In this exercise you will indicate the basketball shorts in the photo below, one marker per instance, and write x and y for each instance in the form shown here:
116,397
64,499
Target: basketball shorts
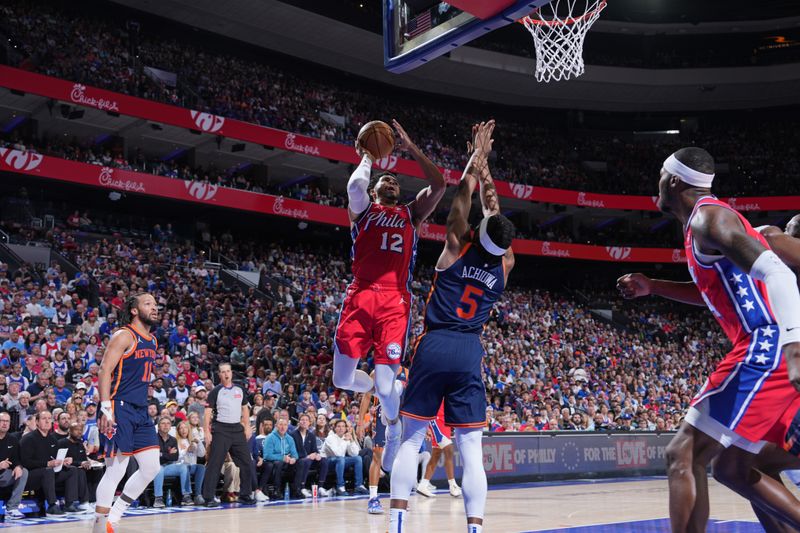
447,366
441,433
744,400
374,317
134,431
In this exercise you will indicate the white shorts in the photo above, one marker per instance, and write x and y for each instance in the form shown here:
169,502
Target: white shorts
699,418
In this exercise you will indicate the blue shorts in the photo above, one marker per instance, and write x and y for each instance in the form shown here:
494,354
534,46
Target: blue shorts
134,431
447,366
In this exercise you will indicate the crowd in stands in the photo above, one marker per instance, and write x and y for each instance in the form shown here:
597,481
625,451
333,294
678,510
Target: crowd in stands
112,55
551,364
317,190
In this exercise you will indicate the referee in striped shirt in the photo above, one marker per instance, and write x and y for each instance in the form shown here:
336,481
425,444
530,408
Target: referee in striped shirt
227,429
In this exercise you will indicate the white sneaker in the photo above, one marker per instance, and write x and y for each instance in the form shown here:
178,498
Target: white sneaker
455,490
86,507
261,497
306,493
425,488
325,493
14,514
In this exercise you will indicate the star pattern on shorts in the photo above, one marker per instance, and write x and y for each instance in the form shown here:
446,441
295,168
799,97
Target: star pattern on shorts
748,305
768,331
736,278
765,345
742,292
761,359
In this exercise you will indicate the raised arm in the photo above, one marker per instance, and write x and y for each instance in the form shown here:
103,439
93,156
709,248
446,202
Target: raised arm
428,198
357,195
490,201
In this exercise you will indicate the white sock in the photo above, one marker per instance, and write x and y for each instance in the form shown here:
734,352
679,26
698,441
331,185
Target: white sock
100,517
373,491
474,528
397,520
119,508
452,483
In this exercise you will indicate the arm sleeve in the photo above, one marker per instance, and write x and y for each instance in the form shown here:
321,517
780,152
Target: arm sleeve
783,294
357,186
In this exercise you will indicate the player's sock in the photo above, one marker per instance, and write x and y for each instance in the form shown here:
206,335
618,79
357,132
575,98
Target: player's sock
473,479
373,491
452,483
397,520
118,509
474,528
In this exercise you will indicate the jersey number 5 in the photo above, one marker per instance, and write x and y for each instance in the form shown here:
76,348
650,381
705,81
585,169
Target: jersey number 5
468,300
397,242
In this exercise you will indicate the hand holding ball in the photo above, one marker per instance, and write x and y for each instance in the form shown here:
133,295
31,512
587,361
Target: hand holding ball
376,138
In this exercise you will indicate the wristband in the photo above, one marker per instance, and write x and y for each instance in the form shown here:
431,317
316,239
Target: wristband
106,408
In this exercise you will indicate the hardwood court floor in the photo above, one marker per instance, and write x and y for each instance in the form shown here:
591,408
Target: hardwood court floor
613,506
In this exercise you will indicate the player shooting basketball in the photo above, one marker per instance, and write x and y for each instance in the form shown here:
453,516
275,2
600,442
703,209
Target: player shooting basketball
754,297
471,275
376,312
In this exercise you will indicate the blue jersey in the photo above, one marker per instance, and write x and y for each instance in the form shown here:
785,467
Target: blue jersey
462,296
132,374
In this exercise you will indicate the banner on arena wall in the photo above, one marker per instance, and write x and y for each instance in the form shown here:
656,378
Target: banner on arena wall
531,455
77,93
116,179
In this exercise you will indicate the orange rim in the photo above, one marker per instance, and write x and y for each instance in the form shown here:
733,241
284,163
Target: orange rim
566,22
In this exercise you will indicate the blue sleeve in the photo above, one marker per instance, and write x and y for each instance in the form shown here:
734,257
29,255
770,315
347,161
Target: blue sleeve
293,448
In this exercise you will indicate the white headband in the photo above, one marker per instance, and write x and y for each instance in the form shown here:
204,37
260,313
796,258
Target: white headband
686,174
486,241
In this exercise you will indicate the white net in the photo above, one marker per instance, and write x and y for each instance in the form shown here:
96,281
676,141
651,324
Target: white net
559,29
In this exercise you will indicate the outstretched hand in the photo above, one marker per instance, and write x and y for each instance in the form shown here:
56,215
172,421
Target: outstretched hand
361,151
482,134
405,143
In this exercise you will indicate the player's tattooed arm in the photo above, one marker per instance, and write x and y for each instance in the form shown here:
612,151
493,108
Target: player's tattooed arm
490,201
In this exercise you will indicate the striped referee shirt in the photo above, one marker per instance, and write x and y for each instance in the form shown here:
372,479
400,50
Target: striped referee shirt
226,404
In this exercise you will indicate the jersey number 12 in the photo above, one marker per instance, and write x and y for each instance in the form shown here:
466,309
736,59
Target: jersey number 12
395,246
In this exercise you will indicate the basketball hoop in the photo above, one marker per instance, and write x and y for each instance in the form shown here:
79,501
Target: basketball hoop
559,29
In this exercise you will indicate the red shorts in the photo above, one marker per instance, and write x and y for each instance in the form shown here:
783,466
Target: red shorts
374,316
441,434
747,396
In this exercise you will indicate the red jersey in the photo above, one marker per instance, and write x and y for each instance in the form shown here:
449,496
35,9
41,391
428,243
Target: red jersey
739,302
384,246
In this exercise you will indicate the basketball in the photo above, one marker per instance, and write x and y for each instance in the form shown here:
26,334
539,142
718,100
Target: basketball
377,138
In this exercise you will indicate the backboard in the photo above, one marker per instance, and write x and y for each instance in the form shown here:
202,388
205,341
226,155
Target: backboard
417,31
